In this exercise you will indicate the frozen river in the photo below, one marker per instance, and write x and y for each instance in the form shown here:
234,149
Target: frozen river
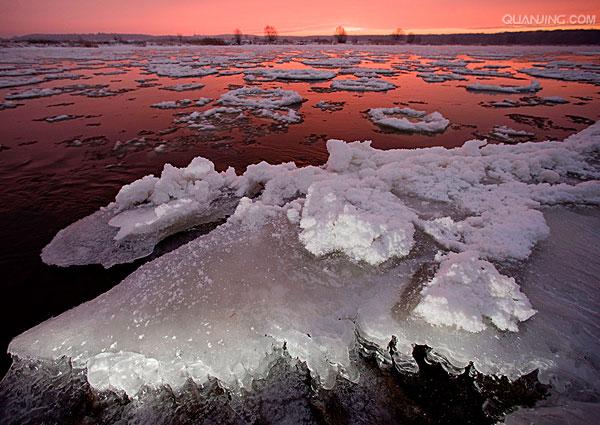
325,257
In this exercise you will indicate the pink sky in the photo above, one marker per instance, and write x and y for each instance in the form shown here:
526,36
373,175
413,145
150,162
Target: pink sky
189,17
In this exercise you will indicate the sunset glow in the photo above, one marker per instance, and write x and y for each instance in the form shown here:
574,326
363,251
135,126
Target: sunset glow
310,17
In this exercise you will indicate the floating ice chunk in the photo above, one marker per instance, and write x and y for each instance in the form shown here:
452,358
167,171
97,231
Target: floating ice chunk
528,101
178,70
432,77
198,180
467,290
558,73
363,84
332,62
33,93
367,72
8,105
364,223
255,97
330,106
220,110
62,117
482,72
184,87
425,123
290,117
19,81
510,135
114,72
213,119
530,88
203,101
173,104
145,212
554,99
270,74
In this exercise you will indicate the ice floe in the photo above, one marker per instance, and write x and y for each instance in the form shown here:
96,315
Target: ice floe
433,77
330,106
362,84
332,62
566,72
184,87
178,70
173,104
533,87
19,81
289,116
527,101
271,74
255,97
421,122
33,93
510,135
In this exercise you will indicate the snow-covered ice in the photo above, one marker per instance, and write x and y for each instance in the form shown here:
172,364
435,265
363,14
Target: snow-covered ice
173,104
270,74
362,84
421,122
466,289
256,97
184,87
33,93
533,87
179,70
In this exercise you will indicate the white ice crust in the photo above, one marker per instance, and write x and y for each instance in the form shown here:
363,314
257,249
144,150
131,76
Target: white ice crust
256,97
362,84
422,121
533,87
466,289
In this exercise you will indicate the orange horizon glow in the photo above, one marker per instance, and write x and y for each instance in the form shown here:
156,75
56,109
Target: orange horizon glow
311,17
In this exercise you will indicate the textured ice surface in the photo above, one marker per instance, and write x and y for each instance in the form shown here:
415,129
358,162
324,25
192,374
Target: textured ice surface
533,87
465,290
362,84
179,70
145,212
33,93
173,104
364,223
314,255
567,71
269,74
256,97
422,122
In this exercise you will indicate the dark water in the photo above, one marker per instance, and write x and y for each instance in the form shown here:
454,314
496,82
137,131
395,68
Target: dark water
47,181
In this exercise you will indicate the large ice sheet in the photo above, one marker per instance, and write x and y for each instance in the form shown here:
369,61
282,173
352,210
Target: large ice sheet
313,255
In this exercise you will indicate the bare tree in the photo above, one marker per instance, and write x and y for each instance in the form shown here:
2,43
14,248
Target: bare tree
237,36
340,34
398,35
270,34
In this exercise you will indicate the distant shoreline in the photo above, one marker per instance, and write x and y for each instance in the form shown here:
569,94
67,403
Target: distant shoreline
513,38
